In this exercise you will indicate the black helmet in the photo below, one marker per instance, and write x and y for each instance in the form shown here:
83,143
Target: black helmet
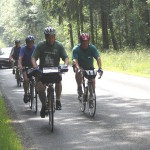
49,31
29,38
17,41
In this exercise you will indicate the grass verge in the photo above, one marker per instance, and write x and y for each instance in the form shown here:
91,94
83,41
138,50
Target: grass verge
135,62
9,140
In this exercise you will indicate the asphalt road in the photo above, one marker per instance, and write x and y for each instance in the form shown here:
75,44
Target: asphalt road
122,120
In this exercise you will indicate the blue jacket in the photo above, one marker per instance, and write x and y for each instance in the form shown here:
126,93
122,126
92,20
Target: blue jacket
26,53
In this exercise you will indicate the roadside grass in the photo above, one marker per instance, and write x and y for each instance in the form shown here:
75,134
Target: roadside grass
135,62
9,140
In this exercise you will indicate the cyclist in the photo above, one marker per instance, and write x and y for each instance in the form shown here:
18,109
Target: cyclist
82,56
25,62
14,55
49,53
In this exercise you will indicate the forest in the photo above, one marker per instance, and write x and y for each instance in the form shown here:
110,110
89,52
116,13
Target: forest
112,24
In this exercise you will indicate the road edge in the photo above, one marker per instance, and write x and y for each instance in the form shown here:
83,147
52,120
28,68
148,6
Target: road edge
26,140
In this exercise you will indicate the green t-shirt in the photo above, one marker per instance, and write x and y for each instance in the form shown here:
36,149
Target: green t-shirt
85,57
49,56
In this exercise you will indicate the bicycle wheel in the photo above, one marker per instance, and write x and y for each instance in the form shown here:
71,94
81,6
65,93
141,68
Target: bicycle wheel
31,94
51,110
83,99
92,101
34,98
36,101
18,78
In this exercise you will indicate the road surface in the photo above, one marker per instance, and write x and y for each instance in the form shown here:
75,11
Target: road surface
122,120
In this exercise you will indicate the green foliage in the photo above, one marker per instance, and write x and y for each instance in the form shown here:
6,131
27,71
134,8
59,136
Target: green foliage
129,24
2,44
8,137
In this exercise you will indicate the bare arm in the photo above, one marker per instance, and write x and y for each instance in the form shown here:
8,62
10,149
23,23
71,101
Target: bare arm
99,62
20,62
11,53
76,64
66,61
33,62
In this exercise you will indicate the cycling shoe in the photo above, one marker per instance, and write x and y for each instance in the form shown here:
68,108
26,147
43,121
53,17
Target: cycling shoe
58,105
42,112
26,98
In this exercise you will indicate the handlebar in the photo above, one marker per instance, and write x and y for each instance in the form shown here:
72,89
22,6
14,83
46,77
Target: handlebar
46,70
92,72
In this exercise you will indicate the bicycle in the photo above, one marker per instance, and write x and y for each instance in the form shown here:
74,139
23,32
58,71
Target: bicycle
88,98
50,76
17,73
33,100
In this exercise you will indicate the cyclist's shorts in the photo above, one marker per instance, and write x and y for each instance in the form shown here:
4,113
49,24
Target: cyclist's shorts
90,74
51,78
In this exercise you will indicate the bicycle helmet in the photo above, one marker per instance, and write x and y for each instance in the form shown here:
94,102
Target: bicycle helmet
29,38
49,31
84,37
17,41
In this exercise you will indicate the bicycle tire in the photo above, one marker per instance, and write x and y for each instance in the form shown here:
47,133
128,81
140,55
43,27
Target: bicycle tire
18,78
36,101
51,110
33,104
82,101
92,109
34,98
31,94
82,104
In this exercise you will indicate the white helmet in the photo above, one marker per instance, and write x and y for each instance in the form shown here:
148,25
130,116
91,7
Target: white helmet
49,31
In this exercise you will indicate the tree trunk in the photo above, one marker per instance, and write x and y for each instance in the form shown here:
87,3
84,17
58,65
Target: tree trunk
104,29
146,19
71,35
132,27
114,41
91,24
78,20
81,14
